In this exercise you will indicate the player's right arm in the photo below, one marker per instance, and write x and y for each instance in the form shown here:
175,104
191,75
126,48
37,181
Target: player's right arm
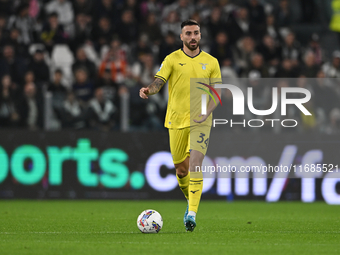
161,77
152,89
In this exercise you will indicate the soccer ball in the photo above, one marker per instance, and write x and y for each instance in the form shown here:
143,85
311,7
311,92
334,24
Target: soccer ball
150,221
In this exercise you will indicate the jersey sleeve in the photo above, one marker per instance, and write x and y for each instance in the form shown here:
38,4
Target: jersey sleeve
216,76
165,69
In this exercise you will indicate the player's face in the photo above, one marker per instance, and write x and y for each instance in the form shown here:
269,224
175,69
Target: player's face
191,36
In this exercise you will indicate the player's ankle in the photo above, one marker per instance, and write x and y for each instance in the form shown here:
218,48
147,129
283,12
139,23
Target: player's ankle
192,213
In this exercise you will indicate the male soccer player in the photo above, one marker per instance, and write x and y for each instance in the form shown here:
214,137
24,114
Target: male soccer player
189,131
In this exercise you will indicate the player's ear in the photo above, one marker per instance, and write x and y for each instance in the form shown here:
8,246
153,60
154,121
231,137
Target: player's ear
181,36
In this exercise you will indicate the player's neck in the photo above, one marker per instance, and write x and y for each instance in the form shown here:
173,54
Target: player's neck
191,53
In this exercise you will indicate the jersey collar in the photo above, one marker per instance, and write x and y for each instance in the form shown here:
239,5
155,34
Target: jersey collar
190,56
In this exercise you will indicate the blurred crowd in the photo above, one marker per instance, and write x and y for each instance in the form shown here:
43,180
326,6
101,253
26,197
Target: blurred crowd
89,54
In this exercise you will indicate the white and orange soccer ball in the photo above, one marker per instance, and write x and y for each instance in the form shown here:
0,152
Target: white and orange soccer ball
150,221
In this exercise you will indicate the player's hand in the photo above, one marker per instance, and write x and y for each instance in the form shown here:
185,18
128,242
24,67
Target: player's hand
143,92
203,118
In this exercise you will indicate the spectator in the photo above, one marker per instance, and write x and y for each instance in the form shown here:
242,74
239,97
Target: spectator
183,9
215,23
203,10
14,40
310,68
283,14
29,77
85,7
56,85
332,69
110,88
315,47
39,67
30,108
120,50
108,8
82,31
270,51
325,98
257,66
256,12
58,89
23,22
53,32
7,82
286,70
303,82
167,46
272,29
102,34
145,69
3,21
134,7
227,7
171,24
115,64
102,112
220,49
151,6
82,62
243,52
64,10
140,49
241,26
151,29
34,8
72,113
334,127
8,113
12,65
82,88
291,49
128,28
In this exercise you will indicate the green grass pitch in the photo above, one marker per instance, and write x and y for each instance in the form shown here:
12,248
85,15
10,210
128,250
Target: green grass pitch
109,227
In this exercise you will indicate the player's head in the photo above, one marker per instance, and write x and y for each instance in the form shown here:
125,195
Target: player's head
191,34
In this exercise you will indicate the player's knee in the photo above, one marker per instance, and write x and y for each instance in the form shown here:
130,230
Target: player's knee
181,171
195,166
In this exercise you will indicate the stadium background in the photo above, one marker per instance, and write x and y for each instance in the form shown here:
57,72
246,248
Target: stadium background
71,71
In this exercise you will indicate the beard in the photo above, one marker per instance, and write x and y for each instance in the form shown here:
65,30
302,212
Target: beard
192,47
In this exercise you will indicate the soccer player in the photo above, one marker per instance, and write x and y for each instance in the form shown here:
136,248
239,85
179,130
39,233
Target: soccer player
189,131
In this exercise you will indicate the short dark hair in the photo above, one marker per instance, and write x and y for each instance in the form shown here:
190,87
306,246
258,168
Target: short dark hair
189,22
58,71
53,15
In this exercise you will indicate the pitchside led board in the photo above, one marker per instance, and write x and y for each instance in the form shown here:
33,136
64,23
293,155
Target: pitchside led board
265,144
92,165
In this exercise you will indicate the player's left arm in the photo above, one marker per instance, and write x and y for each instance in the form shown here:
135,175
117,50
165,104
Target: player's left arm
215,79
211,106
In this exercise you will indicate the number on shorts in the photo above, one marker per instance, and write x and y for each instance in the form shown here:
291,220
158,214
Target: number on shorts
202,138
